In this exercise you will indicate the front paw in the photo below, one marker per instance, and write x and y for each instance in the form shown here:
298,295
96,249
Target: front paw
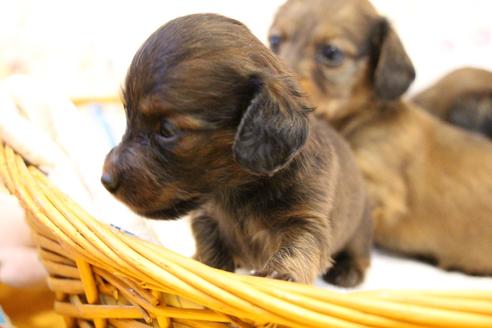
222,262
274,275
345,273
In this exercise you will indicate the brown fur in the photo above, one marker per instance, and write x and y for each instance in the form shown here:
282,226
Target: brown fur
430,183
463,98
217,126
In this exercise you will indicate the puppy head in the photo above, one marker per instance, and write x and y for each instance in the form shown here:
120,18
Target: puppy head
344,53
208,108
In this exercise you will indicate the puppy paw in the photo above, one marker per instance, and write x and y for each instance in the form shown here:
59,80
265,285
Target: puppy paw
345,273
219,262
274,275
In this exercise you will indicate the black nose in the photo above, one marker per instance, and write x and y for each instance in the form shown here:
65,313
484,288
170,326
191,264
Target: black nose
110,181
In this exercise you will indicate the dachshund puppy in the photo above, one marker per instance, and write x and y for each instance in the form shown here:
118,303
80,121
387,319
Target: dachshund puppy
463,98
217,126
430,183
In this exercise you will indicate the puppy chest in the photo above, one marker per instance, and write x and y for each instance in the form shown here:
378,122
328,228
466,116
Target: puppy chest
252,242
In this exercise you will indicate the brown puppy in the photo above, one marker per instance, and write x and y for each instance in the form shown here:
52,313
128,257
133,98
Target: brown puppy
430,183
216,124
463,98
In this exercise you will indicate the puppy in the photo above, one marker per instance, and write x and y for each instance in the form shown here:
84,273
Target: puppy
463,98
217,126
430,183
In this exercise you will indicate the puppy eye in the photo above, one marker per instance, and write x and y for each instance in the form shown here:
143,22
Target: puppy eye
168,132
332,55
275,41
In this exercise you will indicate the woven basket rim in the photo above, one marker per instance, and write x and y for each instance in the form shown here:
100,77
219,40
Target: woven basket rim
226,295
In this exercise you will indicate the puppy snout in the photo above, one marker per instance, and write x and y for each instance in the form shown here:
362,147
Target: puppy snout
110,181
111,176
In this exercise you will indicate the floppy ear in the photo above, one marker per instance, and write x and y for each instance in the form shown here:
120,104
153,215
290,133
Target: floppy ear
273,128
394,71
472,111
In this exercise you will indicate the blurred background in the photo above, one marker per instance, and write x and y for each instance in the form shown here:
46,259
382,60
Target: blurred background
83,49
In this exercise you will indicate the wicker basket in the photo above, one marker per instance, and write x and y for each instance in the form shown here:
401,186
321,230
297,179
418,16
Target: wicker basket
104,278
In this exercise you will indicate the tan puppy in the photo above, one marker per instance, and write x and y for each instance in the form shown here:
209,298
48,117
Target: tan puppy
463,98
430,183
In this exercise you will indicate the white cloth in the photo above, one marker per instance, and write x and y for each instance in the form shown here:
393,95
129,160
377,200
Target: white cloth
49,131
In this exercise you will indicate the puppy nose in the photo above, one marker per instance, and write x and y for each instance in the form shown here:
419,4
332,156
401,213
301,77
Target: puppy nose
110,181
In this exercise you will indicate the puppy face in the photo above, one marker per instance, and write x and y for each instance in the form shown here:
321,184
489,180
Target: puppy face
344,54
208,108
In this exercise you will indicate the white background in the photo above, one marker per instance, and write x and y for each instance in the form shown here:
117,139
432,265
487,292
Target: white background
85,46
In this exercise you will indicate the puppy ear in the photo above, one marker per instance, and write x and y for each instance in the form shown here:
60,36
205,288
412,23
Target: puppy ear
472,111
273,128
393,71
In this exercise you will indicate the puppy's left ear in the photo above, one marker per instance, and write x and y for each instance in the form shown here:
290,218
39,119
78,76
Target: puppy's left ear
273,128
393,71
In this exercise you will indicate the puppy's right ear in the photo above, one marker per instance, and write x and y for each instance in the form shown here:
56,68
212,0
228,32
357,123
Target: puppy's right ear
273,128
393,69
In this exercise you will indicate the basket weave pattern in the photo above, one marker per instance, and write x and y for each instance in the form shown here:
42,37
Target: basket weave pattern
104,278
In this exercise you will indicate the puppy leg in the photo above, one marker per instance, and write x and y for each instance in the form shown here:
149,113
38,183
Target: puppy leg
301,256
210,248
352,262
